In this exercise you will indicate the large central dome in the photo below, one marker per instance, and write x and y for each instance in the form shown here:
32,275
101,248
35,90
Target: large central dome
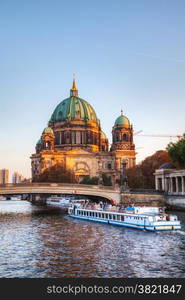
74,108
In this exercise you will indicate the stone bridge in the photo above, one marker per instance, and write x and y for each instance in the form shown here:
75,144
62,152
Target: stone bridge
38,190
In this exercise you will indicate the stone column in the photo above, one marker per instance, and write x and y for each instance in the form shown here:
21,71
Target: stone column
171,185
183,188
156,183
163,183
177,186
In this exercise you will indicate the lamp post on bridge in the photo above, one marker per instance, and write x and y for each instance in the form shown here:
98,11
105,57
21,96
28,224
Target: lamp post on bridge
100,179
124,178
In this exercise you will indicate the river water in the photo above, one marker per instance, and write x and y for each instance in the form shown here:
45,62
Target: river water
40,242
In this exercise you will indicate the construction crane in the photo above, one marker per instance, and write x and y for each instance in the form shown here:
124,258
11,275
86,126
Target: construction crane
160,135
137,132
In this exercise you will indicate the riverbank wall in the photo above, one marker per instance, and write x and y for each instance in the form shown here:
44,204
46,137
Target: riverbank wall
152,198
143,197
176,202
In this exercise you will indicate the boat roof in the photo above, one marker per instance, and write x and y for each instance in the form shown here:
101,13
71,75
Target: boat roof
121,213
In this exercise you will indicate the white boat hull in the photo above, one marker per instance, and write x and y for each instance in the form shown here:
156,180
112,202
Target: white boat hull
130,221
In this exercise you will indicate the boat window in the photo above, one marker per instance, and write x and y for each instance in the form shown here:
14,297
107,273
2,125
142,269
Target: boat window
122,218
106,216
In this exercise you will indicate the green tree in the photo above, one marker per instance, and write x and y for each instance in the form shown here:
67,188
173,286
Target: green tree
135,177
106,179
89,180
177,152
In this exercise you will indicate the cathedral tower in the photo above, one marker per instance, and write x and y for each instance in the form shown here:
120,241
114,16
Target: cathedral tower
122,142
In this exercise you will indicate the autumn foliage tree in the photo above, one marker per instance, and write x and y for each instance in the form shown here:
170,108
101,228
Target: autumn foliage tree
57,173
141,176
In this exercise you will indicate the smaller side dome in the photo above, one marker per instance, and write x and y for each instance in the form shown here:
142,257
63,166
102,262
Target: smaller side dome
122,121
39,142
103,136
48,130
167,165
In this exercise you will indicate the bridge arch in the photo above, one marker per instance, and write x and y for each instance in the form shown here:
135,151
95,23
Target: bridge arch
104,192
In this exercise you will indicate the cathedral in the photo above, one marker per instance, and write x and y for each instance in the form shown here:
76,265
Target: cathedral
74,139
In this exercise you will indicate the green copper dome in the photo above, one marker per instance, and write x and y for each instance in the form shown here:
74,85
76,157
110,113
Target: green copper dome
39,142
73,108
122,121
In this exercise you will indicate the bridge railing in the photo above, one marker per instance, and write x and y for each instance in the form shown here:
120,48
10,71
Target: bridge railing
50,184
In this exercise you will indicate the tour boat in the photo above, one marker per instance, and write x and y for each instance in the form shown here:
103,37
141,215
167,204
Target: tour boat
58,201
147,218
62,201
15,198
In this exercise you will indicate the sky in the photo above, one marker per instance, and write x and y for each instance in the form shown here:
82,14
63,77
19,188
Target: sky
126,54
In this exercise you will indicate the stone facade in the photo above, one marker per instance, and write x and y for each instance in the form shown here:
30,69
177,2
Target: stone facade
74,139
171,181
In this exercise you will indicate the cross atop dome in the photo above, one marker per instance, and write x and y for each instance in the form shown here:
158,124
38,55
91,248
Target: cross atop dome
74,90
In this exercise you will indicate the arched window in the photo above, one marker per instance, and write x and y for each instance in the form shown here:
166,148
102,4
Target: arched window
109,166
68,137
125,137
47,145
57,138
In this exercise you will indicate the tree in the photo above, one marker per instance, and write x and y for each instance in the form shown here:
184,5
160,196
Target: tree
177,152
135,177
141,176
88,180
106,179
57,173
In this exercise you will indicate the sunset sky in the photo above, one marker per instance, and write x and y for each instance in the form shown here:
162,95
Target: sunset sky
126,54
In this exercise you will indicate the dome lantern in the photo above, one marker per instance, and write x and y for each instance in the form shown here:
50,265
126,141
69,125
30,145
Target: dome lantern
74,90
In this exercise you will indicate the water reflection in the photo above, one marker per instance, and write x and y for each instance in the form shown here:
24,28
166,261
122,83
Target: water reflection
38,242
